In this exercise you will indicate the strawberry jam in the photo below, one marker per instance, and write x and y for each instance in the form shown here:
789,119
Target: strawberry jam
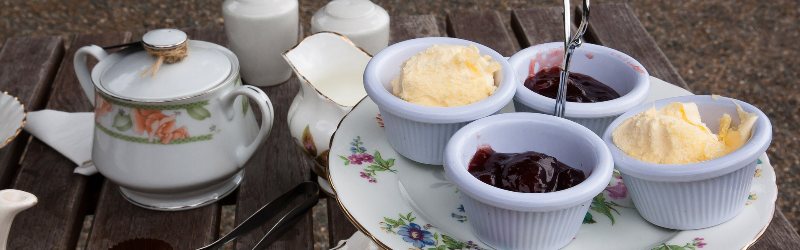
527,172
580,87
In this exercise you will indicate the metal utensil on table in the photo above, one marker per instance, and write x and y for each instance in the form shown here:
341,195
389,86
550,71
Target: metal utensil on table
571,42
307,192
124,45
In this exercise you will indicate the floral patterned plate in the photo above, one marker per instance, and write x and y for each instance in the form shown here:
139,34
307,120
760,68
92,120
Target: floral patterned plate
402,204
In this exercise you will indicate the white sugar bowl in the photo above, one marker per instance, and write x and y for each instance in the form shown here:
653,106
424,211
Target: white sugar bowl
172,136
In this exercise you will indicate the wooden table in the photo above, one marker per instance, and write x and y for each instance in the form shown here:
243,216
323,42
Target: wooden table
39,71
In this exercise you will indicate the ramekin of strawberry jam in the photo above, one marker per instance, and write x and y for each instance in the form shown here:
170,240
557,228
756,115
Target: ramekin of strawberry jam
580,88
526,172
603,83
535,170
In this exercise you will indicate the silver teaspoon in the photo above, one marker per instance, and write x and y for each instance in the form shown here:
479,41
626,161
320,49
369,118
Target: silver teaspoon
570,44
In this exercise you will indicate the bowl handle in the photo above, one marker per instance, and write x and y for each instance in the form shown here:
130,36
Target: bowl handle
82,69
243,153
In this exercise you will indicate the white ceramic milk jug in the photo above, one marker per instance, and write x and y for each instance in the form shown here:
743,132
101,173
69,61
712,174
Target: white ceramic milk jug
330,68
12,202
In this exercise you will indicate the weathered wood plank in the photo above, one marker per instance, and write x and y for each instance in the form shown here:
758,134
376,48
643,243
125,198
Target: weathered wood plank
117,220
27,68
339,226
416,26
56,220
485,27
277,166
779,235
403,28
615,25
538,25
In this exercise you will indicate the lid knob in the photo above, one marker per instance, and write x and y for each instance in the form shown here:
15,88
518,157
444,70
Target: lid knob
167,45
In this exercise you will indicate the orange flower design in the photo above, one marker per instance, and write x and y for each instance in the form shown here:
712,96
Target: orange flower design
167,132
102,107
158,125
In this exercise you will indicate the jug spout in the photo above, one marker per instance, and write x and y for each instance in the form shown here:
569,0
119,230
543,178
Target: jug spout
11,203
332,65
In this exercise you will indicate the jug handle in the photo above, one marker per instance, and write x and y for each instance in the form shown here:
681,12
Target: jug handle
82,69
243,153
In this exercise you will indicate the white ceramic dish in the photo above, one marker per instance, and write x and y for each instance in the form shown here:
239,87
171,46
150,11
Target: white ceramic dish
179,140
388,196
697,195
420,132
12,118
619,71
545,220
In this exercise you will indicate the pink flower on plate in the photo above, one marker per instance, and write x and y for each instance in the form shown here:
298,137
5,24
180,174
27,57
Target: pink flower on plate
698,242
361,158
367,158
355,159
618,191
369,177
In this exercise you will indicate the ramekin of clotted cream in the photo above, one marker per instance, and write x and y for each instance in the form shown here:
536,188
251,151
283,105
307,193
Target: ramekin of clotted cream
687,162
427,88
446,76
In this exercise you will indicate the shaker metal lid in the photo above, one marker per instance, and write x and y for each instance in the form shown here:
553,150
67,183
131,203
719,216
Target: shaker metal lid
128,75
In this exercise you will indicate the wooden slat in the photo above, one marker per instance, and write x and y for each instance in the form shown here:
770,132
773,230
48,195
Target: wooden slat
485,27
117,220
403,28
339,226
56,219
416,26
538,25
615,25
779,235
27,67
277,166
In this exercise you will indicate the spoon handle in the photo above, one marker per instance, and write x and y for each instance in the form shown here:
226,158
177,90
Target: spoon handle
570,44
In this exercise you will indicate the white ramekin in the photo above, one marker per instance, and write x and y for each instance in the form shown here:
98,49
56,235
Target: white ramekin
421,132
696,195
510,220
616,69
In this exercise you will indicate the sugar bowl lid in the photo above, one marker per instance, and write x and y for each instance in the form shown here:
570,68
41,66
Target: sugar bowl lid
167,67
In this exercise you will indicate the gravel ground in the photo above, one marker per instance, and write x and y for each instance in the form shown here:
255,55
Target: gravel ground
741,49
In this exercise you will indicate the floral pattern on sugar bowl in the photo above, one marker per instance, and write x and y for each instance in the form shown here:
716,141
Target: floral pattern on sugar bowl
156,124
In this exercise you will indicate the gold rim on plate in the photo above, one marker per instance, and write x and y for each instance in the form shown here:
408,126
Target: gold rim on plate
21,125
